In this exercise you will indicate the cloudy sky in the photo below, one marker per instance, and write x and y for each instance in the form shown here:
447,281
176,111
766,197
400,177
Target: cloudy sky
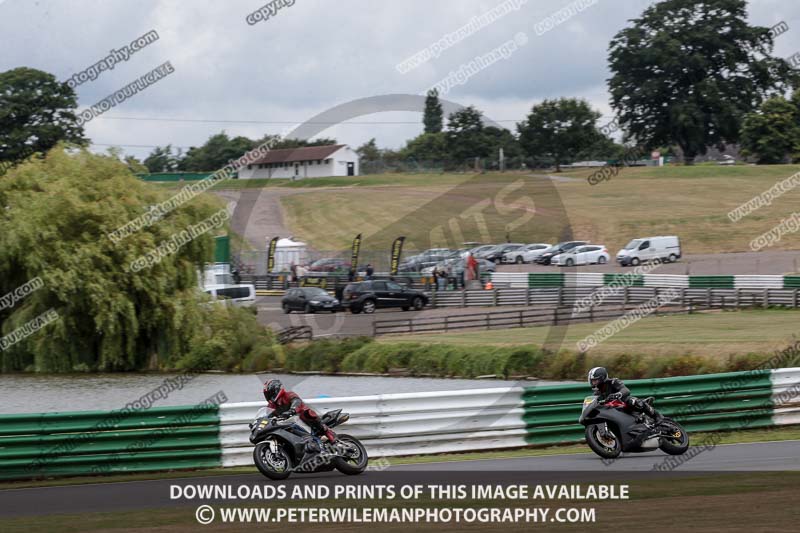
313,55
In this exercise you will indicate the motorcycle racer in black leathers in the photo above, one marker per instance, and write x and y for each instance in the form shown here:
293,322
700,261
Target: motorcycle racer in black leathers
612,388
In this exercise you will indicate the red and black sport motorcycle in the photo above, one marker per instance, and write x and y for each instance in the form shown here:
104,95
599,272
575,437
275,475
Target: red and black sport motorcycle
284,447
612,429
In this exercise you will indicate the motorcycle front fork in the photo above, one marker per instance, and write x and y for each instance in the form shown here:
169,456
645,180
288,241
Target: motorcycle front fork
606,433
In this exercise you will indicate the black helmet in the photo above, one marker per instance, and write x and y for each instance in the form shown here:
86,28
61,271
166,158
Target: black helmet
272,388
597,376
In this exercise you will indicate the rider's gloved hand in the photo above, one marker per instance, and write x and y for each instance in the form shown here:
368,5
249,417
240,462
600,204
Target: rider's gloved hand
615,396
289,413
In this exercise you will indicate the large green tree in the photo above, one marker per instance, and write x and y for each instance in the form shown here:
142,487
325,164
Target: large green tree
299,143
772,134
217,151
56,216
164,159
433,115
497,138
431,147
687,71
369,151
36,113
465,135
559,130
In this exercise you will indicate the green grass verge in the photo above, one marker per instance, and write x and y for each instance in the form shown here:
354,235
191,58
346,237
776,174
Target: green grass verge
673,345
716,335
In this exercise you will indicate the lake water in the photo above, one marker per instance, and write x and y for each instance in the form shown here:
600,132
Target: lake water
30,393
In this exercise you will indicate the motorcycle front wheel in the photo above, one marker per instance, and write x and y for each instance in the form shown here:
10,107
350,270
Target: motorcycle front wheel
276,466
676,440
357,458
607,447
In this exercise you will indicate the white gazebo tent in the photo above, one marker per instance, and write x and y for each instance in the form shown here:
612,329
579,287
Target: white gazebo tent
289,252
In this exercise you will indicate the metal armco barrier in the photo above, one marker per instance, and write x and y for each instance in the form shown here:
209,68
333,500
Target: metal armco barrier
294,333
555,296
591,279
564,305
98,442
388,424
523,318
485,419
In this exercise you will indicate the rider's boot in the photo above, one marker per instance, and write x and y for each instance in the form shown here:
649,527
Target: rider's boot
323,432
329,434
651,412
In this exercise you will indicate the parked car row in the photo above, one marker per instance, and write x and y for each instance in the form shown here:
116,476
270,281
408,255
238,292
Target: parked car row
567,253
455,266
426,259
367,296
525,254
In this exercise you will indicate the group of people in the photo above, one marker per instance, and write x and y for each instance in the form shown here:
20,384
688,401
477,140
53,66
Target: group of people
369,271
442,277
296,272
445,276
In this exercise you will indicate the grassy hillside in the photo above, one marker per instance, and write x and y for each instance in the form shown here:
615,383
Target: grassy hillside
691,202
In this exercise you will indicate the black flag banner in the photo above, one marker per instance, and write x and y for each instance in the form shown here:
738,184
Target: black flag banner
354,254
397,249
271,254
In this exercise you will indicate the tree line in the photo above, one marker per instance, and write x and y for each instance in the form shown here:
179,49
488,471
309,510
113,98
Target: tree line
685,76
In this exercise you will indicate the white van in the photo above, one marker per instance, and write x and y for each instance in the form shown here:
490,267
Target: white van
650,248
243,295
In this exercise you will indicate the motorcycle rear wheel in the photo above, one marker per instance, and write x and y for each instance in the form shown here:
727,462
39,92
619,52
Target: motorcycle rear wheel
268,465
678,443
355,465
602,446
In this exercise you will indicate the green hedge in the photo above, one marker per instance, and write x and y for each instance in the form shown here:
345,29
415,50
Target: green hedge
365,355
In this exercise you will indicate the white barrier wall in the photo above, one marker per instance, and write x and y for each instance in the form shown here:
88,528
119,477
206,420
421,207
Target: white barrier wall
403,424
495,418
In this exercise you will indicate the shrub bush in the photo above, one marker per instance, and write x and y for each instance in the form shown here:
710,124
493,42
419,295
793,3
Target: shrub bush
229,338
442,360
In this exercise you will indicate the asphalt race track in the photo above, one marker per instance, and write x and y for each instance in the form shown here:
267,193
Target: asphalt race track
566,468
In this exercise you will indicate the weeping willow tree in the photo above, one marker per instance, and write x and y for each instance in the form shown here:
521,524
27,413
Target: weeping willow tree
56,212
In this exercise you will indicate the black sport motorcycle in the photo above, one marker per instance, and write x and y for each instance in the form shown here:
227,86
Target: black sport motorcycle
611,430
283,447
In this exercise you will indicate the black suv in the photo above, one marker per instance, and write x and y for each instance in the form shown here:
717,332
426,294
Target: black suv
556,249
367,296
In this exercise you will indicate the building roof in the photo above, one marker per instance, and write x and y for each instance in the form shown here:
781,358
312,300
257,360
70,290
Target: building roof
306,153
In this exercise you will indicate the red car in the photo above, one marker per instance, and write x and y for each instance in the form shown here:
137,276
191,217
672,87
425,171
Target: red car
329,265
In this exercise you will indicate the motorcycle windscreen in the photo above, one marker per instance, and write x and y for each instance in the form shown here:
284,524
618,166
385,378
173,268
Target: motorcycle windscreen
588,405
